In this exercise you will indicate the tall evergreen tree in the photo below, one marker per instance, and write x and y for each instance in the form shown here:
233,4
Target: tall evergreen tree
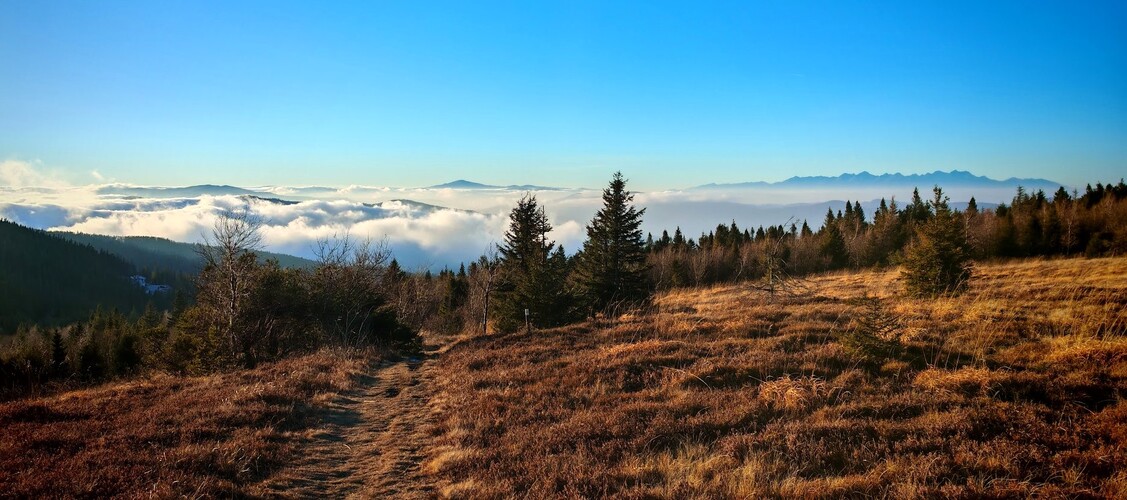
58,353
859,213
454,293
536,281
612,264
937,262
916,212
558,300
886,233
678,239
833,243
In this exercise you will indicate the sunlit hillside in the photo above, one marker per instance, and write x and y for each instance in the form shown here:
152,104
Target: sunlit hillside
1014,389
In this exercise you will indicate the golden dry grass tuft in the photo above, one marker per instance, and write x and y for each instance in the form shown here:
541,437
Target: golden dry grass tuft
213,436
1013,389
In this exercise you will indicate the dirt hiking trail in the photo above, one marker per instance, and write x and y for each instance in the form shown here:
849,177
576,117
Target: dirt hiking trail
371,440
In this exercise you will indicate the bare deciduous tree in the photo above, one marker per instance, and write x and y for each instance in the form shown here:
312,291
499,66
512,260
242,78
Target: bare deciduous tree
230,273
350,288
487,276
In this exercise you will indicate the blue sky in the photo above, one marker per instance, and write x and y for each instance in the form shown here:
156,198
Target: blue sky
673,94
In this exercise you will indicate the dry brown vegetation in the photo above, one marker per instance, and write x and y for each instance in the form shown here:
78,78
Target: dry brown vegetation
1014,389
165,436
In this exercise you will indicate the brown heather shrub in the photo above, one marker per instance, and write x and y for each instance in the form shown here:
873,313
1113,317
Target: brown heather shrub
1013,389
165,436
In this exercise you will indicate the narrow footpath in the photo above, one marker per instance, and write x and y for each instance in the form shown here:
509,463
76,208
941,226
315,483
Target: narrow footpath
372,439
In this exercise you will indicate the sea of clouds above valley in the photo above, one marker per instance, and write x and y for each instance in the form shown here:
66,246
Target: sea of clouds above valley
424,227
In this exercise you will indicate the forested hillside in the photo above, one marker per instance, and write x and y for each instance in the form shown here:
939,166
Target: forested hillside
147,252
48,280
1092,224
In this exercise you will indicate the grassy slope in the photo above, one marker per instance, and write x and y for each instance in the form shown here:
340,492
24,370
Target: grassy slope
216,436
1014,389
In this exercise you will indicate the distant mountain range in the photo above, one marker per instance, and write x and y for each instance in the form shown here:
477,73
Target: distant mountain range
464,184
276,201
866,180
417,205
954,178
178,192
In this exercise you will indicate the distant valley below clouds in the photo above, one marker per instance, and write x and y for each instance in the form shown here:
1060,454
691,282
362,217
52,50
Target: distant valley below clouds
446,224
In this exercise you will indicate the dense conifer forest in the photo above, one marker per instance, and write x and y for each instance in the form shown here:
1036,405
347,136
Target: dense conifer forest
49,281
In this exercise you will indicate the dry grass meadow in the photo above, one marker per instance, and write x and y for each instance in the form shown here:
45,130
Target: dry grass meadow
168,437
1015,389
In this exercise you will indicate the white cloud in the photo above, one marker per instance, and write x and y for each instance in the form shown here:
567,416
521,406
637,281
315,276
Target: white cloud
23,174
418,233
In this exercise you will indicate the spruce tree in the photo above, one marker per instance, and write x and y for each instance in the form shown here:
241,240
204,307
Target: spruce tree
859,213
454,293
58,353
887,234
536,277
1061,196
557,298
917,211
937,262
612,269
805,233
833,243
